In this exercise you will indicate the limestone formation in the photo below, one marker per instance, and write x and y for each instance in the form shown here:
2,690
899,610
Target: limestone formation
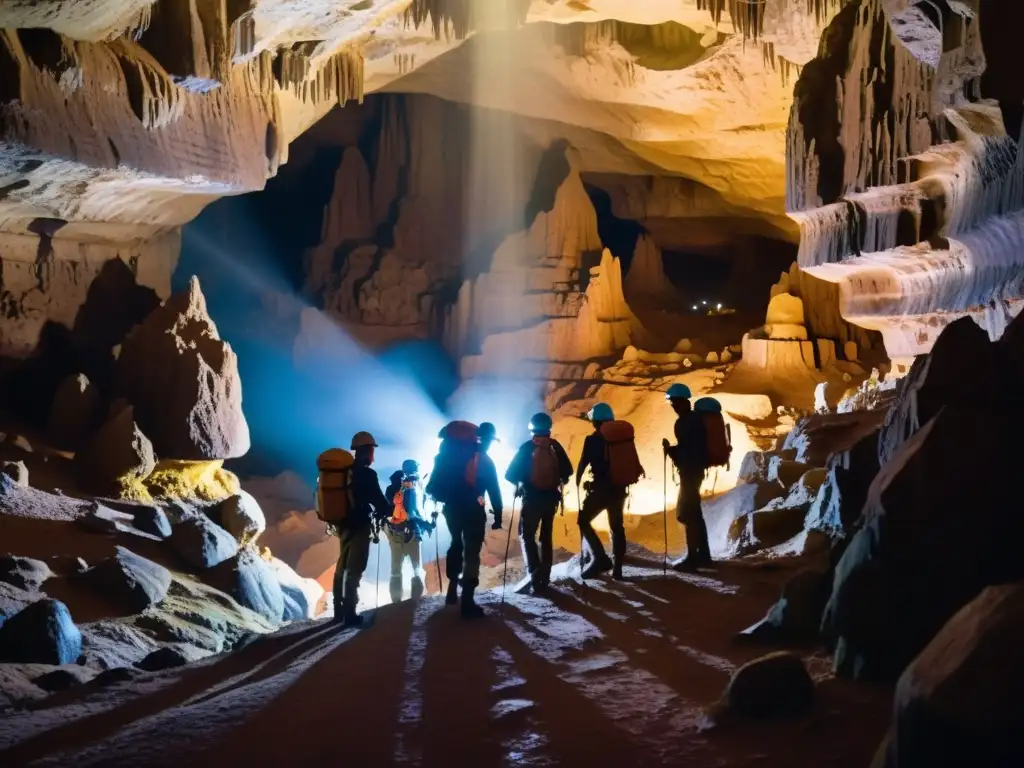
183,381
23,572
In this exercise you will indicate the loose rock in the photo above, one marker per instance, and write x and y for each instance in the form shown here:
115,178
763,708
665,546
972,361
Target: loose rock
152,520
252,582
241,516
117,456
16,471
775,685
201,542
42,633
130,580
168,657
796,617
23,572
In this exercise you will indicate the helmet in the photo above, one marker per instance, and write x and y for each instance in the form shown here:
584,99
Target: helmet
678,392
602,412
540,422
487,431
411,467
363,439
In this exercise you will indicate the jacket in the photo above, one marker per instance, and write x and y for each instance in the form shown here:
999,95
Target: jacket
368,502
518,472
690,452
595,456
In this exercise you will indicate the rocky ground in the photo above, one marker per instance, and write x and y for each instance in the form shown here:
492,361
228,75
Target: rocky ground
599,673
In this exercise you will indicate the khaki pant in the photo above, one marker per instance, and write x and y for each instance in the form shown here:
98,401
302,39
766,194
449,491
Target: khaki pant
399,551
601,499
352,560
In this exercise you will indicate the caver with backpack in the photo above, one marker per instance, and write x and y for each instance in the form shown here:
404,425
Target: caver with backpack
539,470
610,454
702,441
349,500
406,529
463,476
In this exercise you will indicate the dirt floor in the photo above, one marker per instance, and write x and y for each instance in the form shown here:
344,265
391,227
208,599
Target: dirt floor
604,673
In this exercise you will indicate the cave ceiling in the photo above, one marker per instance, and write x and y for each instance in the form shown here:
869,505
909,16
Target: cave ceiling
125,117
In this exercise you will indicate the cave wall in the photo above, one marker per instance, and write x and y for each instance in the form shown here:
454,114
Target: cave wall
906,184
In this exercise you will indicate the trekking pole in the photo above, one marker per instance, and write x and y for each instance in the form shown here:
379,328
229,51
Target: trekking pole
664,511
508,544
437,551
376,583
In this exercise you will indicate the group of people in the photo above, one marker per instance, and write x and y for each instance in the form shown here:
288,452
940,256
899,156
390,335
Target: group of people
465,479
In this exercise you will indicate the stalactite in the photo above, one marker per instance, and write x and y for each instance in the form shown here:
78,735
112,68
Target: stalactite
243,35
458,18
340,78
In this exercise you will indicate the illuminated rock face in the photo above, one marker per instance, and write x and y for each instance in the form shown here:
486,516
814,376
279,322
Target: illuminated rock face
908,192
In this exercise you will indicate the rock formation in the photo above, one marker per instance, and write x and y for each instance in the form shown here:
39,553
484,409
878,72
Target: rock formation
183,381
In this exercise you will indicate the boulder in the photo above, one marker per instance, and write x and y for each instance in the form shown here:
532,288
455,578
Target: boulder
841,496
816,438
296,607
754,466
940,523
17,471
101,519
249,579
292,584
959,701
183,381
152,520
963,367
775,685
75,411
785,309
117,455
113,676
129,580
200,542
241,516
767,527
168,657
42,633
796,617
58,680
23,572
785,473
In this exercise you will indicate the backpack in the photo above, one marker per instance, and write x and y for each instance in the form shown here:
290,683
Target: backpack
544,469
456,462
717,432
334,485
624,467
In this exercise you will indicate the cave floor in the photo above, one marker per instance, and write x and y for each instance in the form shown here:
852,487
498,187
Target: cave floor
604,673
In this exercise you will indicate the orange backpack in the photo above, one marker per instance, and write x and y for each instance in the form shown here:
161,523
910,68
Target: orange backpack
624,468
334,485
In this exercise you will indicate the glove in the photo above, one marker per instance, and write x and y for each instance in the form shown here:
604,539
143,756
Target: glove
665,445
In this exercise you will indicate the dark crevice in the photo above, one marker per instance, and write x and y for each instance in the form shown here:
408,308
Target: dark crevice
553,170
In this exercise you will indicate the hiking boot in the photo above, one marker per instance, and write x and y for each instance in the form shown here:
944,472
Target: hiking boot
617,573
597,566
452,596
686,565
468,608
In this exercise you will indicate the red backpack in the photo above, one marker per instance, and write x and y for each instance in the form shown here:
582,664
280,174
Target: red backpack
544,474
718,434
624,468
456,462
